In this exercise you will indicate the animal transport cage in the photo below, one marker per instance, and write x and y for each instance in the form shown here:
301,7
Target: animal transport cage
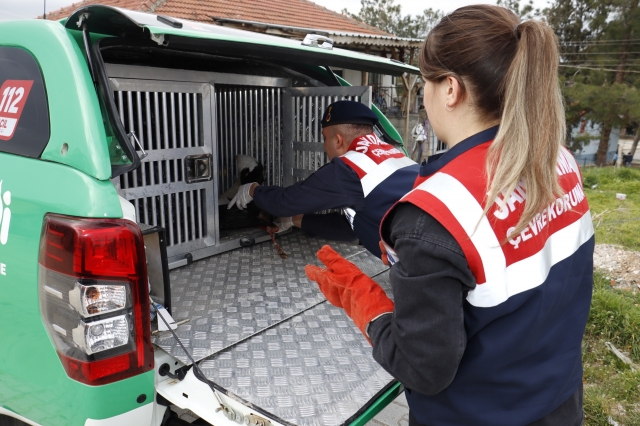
192,124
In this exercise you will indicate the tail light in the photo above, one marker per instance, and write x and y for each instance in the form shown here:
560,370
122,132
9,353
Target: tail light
94,297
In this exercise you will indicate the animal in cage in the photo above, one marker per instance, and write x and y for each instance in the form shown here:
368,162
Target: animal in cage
250,170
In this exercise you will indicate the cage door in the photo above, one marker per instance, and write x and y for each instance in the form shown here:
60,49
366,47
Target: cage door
173,187
303,110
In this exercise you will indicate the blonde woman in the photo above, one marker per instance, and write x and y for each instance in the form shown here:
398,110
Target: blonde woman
493,248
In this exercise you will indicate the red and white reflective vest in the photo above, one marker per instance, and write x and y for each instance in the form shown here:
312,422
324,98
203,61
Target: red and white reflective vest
525,318
386,175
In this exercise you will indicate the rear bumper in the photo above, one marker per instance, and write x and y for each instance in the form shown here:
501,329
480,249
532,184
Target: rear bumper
141,416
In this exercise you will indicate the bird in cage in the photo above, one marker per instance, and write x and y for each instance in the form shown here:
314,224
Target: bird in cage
249,170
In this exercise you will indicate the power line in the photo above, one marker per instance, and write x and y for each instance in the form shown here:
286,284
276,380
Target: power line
598,61
597,69
602,41
605,63
599,53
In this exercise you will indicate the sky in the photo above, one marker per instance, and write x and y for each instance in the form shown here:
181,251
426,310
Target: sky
413,7
19,9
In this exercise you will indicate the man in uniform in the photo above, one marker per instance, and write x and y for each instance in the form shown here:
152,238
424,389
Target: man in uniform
364,178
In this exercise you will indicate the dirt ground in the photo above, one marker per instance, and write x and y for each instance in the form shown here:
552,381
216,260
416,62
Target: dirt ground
621,266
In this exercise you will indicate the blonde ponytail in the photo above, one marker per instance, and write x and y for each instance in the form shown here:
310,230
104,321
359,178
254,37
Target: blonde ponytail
532,127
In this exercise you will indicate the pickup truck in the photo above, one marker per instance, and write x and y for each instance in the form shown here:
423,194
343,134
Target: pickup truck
118,133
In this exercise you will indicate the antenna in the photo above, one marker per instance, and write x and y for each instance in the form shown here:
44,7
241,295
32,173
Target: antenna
44,14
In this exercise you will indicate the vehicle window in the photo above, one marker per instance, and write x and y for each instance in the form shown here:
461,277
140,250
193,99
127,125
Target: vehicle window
24,113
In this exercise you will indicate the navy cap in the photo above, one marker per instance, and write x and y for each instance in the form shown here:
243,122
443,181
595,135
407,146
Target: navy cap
348,112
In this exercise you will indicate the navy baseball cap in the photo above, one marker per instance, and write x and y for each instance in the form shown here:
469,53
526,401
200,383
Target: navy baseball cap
348,112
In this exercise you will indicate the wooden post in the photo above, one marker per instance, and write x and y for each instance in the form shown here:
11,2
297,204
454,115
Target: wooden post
365,78
408,80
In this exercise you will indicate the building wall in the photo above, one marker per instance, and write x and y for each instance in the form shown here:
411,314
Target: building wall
353,77
589,149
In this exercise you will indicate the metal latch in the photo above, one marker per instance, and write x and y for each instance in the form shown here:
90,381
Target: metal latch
198,168
253,420
314,40
230,413
132,134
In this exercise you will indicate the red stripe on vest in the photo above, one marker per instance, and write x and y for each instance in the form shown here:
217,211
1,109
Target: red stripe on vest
361,173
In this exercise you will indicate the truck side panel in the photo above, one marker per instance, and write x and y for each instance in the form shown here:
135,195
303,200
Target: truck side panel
71,178
32,380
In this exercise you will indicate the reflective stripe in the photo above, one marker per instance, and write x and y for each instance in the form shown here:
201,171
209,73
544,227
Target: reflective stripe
533,271
361,160
383,171
464,207
350,215
392,257
502,282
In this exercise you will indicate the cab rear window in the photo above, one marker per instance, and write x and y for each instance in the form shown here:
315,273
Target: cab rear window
24,113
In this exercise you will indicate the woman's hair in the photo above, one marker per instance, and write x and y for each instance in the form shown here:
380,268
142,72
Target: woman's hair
509,71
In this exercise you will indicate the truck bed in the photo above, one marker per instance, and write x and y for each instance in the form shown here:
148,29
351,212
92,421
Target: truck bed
264,333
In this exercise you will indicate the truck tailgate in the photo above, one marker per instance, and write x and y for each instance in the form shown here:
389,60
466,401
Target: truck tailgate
260,330
315,368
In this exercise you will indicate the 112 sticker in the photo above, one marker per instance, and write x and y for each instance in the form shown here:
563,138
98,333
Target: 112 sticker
13,96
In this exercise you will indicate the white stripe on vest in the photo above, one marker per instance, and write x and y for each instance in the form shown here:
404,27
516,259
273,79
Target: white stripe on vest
503,281
376,173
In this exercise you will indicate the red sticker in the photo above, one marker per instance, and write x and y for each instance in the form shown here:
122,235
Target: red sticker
13,96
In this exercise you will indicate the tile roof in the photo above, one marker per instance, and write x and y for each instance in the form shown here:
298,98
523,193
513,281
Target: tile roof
141,5
299,13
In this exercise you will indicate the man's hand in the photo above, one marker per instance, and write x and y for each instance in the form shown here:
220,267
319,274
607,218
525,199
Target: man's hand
243,197
283,223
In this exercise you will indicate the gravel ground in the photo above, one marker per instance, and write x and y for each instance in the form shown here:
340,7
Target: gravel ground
621,266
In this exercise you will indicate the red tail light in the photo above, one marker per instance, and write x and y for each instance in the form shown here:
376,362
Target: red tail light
94,297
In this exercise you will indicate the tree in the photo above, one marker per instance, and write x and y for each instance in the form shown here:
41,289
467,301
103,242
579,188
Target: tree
526,11
382,14
597,50
387,16
616,104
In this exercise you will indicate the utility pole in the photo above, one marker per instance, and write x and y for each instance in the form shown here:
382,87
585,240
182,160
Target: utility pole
44,13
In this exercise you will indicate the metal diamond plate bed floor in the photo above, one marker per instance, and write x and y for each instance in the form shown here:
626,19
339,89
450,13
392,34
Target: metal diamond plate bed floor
262,331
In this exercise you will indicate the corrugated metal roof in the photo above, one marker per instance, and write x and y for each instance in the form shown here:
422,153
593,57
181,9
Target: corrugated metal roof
318,30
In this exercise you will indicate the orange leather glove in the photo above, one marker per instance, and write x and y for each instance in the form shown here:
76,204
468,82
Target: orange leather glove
347,287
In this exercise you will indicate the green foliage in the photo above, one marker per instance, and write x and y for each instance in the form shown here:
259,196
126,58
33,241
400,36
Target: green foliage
598,49
617,103
615,221
609,383
524,11
611,387
387,16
